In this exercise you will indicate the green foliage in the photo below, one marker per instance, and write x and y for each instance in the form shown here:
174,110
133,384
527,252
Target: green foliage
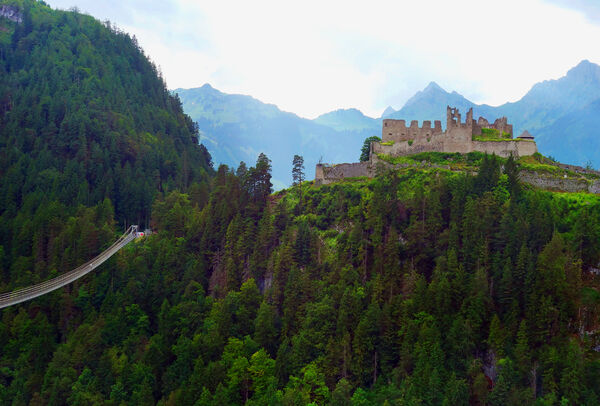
384,290
85,121
297,170
403,289
454,161
491,134
365,152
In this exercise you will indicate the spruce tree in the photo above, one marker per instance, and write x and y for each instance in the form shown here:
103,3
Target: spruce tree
297,170
366,148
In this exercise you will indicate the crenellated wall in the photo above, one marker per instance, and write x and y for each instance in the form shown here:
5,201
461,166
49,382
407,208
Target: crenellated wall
396,130
398,139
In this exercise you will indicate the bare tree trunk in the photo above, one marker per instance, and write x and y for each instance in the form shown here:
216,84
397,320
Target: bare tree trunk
534,379
344,371
374,368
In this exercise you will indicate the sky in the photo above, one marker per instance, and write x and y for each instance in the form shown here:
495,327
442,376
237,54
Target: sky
314,56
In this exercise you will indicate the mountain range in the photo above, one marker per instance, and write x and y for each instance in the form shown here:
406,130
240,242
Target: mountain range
562,114
237,128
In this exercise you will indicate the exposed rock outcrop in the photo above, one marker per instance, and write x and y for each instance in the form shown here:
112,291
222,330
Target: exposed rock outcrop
11,13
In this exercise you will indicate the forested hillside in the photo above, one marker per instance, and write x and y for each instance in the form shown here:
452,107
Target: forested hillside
417,287
421,286
89,136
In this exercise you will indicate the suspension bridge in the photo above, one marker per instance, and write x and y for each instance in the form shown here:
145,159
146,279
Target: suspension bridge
30,292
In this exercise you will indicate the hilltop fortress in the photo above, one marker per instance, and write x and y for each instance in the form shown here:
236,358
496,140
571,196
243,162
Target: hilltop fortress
397,139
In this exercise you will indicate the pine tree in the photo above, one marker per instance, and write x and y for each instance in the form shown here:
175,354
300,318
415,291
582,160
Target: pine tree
297,170
522,351
365,151
511,170
265,328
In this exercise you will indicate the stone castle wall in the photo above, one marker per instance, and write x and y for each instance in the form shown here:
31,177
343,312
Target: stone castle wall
400,140
397,131
397,139
558,184
456,141
325,174
506,148
329,174
401,148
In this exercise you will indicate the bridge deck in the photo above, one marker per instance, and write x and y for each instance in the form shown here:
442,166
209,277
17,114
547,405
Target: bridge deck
30,292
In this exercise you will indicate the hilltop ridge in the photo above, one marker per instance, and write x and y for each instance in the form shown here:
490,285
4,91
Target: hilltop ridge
540,111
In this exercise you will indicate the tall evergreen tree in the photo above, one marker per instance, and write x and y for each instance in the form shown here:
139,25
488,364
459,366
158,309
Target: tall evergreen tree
297,170
365,152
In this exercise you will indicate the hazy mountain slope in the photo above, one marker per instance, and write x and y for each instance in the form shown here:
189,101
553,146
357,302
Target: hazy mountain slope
430,104
237,128
574,137
549,100
348,120
554,111
389,110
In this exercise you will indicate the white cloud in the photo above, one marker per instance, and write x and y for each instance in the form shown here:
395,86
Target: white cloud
311,57
589,8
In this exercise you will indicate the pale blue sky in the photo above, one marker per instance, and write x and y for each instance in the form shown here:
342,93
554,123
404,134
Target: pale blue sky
314,56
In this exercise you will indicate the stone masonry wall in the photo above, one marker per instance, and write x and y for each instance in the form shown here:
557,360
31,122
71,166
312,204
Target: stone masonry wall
398,139
329,174
396,130
408,147
454,141
554,183
505,148
325,174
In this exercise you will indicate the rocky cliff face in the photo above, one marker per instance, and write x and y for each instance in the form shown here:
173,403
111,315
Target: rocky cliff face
549,182
11,13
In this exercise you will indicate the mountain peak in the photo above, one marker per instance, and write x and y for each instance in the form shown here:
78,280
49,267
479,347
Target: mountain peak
352,110
346,119
433,86
389,110
584,68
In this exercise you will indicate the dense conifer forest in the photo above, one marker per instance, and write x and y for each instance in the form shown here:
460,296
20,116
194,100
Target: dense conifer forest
421,286
89,135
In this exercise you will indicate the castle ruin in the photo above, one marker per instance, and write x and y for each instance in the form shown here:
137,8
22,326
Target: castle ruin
497,138
397,139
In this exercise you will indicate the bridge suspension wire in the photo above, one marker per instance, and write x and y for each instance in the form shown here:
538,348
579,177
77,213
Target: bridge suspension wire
33,291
